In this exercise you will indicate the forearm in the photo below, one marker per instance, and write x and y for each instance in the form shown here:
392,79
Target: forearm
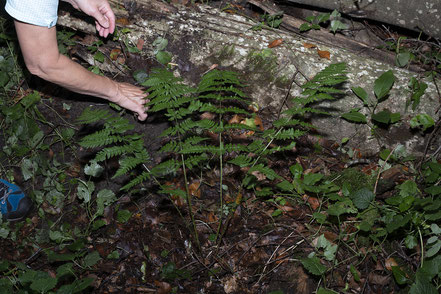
69,74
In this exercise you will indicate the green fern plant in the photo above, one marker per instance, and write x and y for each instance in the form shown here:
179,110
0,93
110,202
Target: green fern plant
197,144
113,141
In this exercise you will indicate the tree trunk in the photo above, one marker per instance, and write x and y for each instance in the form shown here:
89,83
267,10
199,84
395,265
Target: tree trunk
201,36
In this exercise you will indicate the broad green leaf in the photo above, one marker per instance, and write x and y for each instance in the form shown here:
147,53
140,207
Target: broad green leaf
434,249
383,116
313,265
99,56
362,198
140,76
408,188
311,179
160,44
43,283
383,84
104,198
65,269
85,190
163,57
91,259
403,59
362,94
354,116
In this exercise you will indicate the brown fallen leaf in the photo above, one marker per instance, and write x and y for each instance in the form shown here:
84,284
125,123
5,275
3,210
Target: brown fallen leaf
194,190
236,119
275,43
309,45
115,53
324,54
140,44
122,21
207,115
313,201
258,122
389,263
260,176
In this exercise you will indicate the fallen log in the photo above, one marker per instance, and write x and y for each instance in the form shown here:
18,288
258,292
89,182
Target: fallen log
200,36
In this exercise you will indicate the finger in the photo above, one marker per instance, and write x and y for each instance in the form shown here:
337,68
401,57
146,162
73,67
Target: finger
110,17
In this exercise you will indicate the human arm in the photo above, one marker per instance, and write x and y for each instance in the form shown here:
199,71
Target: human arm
40,51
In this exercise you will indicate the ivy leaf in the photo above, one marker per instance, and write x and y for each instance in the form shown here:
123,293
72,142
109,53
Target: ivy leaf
354,116
383,84
313,265
362,198
93,169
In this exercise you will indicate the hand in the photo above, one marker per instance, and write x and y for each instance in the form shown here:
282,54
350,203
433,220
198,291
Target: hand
101,11
132,98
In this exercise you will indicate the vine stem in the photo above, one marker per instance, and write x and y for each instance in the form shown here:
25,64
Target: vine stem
221,195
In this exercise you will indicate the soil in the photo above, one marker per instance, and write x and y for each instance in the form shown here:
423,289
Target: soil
259,253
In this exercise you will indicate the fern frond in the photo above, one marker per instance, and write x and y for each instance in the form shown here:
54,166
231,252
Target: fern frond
99,139
219,97
333,74
188,125
242,160
268,172
198,149
128,163
284,134
91,115
113,151
144,176
167,167
195,160
215,109
119,125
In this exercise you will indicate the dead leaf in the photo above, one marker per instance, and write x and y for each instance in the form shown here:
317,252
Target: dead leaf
122,21
309,45
313,201
258,122
115,53
230,285
164,287
194,190
275,43
260,176
390,262
236,119
324,54
140,44
330,236
378,279
207,115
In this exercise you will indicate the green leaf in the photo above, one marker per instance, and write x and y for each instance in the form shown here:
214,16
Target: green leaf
354,116
432,251
93,169
160,44
423,287
163,57
123,216
383,84
65,269
311,179
91,259
383,116
43,284
99,56
362,198
399,275
411,241
85,190
422,120
362,94
113,255
402,59
104,198
313,265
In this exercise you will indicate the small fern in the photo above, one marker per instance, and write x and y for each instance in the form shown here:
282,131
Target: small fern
113,140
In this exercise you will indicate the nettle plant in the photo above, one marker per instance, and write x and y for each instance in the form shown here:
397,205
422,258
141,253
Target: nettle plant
210,127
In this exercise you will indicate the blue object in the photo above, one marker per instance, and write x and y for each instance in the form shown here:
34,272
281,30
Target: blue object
14,204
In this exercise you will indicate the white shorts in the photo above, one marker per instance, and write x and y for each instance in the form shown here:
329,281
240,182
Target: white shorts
37,12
